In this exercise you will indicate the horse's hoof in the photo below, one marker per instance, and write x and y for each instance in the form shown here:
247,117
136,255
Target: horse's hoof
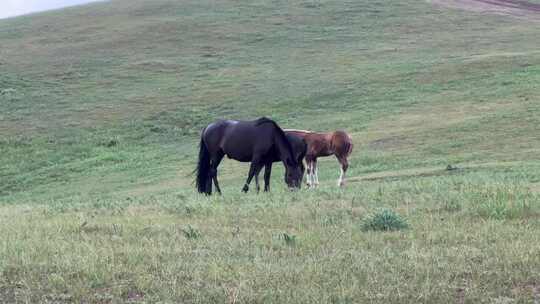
245,189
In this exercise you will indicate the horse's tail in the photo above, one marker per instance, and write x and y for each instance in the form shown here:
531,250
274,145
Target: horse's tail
347,143
203,170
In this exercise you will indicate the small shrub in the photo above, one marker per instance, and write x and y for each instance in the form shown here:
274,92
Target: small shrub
112,143
158,129
450,168
191,233
289,239
109,143
384,220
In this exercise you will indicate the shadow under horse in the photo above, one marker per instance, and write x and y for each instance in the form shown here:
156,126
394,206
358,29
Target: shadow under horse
259,141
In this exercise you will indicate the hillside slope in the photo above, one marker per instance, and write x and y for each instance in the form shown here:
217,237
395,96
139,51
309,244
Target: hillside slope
101,109
416,85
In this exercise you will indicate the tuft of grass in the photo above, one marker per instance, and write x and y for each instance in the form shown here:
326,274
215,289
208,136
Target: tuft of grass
384,220
289,239
191,233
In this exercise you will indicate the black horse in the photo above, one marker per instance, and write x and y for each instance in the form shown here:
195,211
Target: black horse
259,141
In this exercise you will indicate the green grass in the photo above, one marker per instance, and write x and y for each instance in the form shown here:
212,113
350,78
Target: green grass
102,105
384,220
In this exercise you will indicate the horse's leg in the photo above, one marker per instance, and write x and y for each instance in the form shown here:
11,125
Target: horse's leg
308,173
344,166
213,170
267,170
315,173
257,182
254,169
312,174
309,170
267,173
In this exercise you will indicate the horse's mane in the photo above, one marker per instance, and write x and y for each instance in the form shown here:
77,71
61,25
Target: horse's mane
264,120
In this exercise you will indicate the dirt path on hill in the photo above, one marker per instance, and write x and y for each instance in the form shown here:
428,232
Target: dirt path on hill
517,8
429,171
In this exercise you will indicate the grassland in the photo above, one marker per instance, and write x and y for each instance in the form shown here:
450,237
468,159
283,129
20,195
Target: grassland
101,107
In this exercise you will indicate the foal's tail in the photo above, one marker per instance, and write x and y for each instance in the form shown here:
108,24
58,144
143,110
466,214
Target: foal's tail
204,184
346,142
349,147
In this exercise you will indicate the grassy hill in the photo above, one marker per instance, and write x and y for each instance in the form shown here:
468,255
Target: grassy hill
102,106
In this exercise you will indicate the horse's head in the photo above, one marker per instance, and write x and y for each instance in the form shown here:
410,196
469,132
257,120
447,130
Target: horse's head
294,173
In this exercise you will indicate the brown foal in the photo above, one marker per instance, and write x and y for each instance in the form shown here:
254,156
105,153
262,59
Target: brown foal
337,143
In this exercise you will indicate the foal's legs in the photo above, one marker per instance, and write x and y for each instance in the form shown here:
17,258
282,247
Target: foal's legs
214,163
309,180
254,170
344,165
315,173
